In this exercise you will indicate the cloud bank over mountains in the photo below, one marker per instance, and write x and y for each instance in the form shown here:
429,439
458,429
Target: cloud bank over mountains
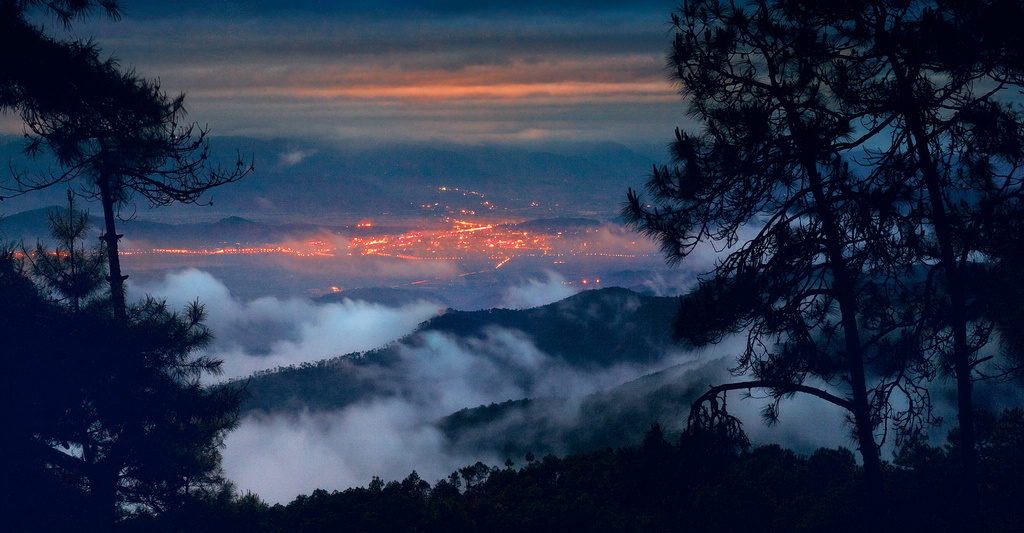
269,332
465,72
416,417
397,429
396,432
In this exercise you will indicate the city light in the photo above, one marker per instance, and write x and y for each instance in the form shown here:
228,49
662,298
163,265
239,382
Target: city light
459,240
464,238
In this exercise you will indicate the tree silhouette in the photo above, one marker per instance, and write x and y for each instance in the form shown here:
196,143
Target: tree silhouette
109,404
145,429
116,132
28,486
111,411
860,163
123,140
768,157
23,83
70,270
953,73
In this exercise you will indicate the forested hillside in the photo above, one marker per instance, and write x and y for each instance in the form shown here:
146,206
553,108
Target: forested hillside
598,328
595,332
688,484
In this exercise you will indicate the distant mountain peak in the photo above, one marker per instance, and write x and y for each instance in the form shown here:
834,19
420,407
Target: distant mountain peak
236,220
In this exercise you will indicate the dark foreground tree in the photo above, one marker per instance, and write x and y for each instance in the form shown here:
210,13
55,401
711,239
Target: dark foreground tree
115,133
23,83
856,163
124,139
769,158
148,430
951,76
107,415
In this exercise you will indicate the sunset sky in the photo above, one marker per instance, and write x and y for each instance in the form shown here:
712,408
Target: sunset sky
449,71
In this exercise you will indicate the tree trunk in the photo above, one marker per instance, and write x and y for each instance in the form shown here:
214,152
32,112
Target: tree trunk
962,365
103,496
864,427
110,237
845,295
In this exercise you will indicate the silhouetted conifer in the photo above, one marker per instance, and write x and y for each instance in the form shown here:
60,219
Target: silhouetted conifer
117,133
109,414
858,165
69,271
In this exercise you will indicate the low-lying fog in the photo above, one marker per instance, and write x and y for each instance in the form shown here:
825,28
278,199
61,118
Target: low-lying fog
280,457
266,325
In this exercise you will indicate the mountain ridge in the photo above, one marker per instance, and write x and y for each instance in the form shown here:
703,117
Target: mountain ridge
588,332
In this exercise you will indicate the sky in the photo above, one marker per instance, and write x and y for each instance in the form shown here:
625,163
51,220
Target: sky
434,71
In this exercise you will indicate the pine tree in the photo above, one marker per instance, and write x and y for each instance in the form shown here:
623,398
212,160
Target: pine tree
112,411
858,162
116,133
69,271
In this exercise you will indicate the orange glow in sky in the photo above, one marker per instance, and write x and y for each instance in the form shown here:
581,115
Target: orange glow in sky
496,91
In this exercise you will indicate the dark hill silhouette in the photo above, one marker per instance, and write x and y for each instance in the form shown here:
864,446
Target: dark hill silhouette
552,225
318,178
607,419
398,179
591,330
228,231
28,226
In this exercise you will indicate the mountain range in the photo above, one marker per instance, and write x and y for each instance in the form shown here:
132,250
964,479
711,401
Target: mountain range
323,180
594,334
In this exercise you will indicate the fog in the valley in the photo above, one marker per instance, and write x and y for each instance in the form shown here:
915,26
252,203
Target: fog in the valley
394,433
391,435
269,332
538,291
387,436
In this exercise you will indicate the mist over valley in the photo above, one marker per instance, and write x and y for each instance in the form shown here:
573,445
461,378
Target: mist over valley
453,339
451,326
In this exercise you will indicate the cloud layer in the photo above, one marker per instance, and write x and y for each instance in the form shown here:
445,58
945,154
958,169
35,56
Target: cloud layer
393,432
269,332
536,292
409,71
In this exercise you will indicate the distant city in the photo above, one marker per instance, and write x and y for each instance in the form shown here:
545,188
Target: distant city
465,240
458,246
